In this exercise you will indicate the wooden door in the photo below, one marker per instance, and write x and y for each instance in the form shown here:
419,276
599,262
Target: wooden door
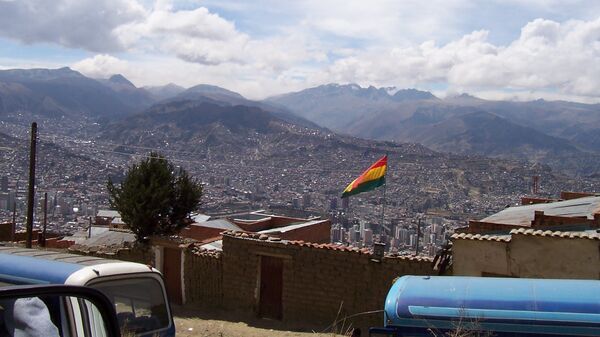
271,287
172,274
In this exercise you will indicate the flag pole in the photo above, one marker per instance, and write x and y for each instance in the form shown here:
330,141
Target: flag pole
384,201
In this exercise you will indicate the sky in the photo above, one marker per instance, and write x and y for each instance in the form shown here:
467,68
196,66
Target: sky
494,49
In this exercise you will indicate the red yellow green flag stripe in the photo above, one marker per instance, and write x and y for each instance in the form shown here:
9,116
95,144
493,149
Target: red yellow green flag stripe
372,178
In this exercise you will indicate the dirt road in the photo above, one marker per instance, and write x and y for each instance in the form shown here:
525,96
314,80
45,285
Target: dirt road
192,322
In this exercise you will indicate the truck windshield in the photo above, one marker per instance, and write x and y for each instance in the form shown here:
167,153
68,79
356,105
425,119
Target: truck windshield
139,303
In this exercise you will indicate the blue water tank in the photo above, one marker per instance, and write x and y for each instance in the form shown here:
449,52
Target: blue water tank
522,306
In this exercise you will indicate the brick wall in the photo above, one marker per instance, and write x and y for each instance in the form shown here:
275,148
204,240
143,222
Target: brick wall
58,243
6,231
254,226
567,195
317,233
203,279
543,220
476,226
318,279
200,233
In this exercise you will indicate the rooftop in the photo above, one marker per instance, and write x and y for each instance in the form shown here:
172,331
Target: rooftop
107,213
588,234
523,215
223,224
292,227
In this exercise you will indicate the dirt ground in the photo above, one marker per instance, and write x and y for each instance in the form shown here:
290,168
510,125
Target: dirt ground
193,322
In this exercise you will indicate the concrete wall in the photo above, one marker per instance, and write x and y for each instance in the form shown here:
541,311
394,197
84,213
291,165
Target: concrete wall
533,256
553,257
474,257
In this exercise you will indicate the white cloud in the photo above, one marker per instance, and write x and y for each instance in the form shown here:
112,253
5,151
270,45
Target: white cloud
547,56
388,43
103,66
193,35
86,24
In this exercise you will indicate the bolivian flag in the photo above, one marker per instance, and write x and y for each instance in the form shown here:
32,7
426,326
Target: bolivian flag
372,178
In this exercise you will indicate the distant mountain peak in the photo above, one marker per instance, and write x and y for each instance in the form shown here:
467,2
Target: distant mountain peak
39,74
465,95
391,90
412,94
172,85
120,79
213,89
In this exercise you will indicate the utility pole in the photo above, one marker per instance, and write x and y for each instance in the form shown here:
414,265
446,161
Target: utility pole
14,222
45,219
418,236
30,195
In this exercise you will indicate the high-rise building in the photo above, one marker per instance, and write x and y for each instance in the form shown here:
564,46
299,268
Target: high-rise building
306,202
346,203
4,184
336,234
333,203
368,237
4,201
7,201
412,240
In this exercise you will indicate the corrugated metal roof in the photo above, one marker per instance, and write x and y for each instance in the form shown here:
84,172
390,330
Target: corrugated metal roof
55,256
218,223
107,213
291,227
107,238
523,215
200,217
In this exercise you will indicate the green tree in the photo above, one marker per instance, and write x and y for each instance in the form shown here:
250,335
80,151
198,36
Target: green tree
155,197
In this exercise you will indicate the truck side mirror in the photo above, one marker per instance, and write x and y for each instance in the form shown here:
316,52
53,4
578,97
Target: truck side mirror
56,310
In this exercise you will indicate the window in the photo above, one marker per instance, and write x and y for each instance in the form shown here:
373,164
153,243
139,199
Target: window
139,303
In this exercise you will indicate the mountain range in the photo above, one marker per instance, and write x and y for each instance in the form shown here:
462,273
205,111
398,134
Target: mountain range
560,133
460,124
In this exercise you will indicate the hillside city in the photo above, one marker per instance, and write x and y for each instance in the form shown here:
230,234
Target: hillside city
439,192
299,168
